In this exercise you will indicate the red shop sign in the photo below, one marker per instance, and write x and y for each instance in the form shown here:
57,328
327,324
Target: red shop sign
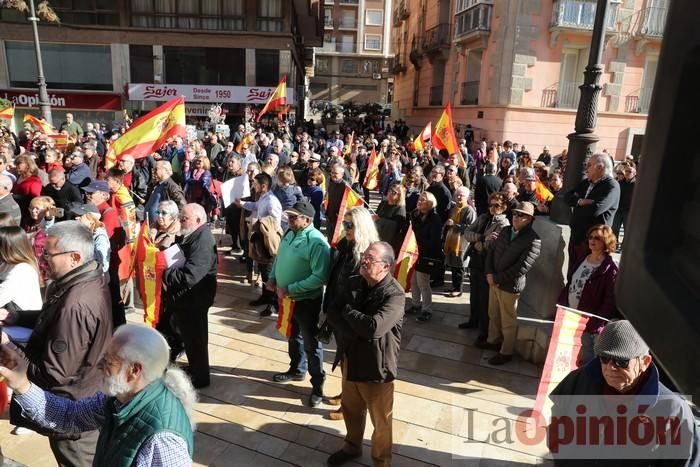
65,100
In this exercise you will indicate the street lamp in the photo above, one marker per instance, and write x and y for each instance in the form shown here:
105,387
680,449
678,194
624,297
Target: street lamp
44,103
583,141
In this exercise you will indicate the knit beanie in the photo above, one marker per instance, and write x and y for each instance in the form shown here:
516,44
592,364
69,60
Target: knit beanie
620,340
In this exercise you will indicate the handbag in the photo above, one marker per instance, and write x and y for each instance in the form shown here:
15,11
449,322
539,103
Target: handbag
428,265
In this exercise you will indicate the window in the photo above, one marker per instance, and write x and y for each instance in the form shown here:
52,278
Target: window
267,67
322,65
573,63
269,16
348,44
141,63
348,66
199,65
226,15
373,42
374,17
67,66
348,19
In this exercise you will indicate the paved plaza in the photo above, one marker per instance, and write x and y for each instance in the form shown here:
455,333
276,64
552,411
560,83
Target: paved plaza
449,402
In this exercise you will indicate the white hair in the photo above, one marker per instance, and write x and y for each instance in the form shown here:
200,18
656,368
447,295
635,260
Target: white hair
605,160
74,236
365,230
5,181
197,210
145,345
170,207
166,166
462,189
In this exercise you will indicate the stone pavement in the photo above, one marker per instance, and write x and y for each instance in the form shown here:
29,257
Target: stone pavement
449,402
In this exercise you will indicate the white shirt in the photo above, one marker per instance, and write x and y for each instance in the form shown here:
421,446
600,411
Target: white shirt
19,283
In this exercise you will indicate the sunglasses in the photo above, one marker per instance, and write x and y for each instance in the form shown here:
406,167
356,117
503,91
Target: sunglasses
595,237
348,225
161,213
616,362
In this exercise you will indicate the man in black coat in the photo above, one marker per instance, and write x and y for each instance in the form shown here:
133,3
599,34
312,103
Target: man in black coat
370,344
63,192
594,202
189,291
440,191
336,190
485,185
513,254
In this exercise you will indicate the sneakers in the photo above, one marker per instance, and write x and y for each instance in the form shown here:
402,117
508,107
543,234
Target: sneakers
500,359
287,377
20,431
315,398
341,457
424,317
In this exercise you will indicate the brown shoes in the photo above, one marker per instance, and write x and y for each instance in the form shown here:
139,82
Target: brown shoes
336,414
334,400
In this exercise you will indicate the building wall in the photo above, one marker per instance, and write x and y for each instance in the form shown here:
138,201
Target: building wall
521,90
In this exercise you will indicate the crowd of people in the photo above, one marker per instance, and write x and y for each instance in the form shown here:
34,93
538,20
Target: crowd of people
69,225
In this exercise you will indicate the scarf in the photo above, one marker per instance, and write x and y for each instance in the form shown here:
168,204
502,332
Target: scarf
454,238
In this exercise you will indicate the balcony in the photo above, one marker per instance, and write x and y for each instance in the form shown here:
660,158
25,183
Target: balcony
328,47
473,22
470,93
328,23
437,38
436,95
562,95
349,2
400,13
398,65
653,22
346,24
580,14
638,103
345,48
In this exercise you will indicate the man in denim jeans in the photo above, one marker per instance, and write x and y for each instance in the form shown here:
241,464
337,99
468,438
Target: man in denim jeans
300,271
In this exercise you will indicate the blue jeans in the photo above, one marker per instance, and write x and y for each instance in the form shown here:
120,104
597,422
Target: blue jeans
305,350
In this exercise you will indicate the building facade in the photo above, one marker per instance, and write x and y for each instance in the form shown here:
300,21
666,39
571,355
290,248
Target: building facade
133,54
354,64
512,69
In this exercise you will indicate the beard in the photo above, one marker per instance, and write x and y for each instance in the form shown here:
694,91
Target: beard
116,385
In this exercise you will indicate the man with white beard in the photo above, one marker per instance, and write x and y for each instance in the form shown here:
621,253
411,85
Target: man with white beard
144,411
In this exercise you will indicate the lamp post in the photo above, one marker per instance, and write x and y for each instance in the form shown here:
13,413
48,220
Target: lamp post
583,141
44,103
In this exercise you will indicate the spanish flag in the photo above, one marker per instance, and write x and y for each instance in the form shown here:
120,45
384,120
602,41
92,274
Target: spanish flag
445,137
247,139
149,132
372,178
423,137
562,357
7,112
60,141
284,315
277,101
348,147
542,192
349,201
41,125
407,259
150,264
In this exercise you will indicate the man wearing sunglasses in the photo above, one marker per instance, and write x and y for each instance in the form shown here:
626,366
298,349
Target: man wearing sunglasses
624,374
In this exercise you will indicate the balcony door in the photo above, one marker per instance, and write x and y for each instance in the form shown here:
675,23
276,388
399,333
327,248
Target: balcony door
573,64
648,76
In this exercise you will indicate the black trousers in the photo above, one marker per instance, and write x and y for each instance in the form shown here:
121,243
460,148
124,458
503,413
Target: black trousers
233,224
75,452
265,270
479,299
188,330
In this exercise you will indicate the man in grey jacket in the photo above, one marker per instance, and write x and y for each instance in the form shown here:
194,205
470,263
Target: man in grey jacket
513,254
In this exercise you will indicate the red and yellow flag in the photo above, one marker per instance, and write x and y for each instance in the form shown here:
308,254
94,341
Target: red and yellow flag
371,181
562,356
7,112
542,192
150,264
347,149
247,139
60,141
407,259
284,315
350,200
445,137
425,135
277,101
149,132
41,125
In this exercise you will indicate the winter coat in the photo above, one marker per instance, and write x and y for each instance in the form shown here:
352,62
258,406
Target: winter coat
428,232
391,224
606,197
510,260
476,235
485,186
467,218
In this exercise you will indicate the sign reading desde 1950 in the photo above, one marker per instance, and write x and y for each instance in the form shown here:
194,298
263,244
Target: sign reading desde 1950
199,93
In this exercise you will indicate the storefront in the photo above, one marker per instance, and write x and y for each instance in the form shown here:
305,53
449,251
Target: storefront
101,107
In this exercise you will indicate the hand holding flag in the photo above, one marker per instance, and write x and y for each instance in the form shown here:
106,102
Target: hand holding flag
277,101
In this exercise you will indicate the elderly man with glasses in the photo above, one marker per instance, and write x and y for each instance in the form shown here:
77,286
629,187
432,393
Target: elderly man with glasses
77,171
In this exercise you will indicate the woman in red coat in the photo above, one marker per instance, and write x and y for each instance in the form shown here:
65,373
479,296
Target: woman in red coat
591,285
28,184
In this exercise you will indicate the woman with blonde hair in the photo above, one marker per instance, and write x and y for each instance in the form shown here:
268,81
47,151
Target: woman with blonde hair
20,283
428,231
344,276
461,216
42,215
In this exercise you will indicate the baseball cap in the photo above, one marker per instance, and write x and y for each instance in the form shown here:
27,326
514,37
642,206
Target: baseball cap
96,185
77,210
302,208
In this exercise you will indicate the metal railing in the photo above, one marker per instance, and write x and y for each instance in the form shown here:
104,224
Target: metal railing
568,95
348,2
653,21
549,98
327,47
580,14
436,37
639,103
345,48
477,18
328,23
470,93
345,24
436,95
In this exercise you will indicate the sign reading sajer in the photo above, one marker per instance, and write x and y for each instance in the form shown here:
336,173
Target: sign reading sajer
199,93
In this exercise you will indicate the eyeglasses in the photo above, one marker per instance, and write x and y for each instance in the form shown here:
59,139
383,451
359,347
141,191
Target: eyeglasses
161,213
595,237
616,362
348,225
371,260
47,255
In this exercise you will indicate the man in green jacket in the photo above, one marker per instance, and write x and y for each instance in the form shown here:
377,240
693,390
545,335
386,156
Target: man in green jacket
299,271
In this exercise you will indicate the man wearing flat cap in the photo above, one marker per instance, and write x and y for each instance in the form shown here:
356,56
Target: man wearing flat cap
627,413
299,271
513,254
